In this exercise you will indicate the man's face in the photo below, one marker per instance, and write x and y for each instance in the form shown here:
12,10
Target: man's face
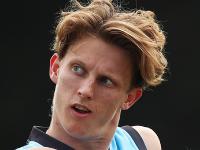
92,81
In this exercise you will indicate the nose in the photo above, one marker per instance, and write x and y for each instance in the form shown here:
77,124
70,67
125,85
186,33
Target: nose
86,90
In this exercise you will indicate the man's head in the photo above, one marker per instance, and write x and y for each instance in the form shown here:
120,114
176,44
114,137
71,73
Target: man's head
92,87
103,60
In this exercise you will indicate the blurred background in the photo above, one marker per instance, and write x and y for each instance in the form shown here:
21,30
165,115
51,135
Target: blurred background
172,110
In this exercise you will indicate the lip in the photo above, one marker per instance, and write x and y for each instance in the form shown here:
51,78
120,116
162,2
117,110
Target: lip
78,114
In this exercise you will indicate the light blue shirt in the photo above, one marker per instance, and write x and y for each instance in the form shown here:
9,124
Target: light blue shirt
120,141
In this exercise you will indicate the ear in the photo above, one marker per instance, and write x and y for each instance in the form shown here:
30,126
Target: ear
54,67
133,96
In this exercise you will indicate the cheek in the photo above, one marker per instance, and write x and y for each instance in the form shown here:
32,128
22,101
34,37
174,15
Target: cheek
68,82
113,97
65,89
108,111
110,103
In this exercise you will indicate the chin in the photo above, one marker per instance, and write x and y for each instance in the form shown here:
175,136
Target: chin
81,133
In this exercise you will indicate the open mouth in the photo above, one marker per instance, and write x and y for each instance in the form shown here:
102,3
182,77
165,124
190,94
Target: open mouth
81,109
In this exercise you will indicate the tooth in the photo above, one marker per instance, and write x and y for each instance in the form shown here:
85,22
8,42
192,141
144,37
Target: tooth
81,108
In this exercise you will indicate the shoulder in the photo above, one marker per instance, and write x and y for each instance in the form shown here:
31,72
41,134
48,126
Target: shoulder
149,137
30,145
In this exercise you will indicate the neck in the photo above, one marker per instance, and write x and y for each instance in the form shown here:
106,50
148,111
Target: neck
96,142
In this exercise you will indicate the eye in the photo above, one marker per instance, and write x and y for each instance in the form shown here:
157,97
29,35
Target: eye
106,81
78,69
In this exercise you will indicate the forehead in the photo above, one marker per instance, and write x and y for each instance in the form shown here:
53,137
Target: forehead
99,47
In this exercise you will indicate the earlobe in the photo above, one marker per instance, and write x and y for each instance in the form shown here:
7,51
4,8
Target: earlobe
133,96
53,68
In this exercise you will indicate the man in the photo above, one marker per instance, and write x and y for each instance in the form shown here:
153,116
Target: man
103,60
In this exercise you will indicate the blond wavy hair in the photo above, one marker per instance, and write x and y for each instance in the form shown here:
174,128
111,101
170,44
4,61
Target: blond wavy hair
137,31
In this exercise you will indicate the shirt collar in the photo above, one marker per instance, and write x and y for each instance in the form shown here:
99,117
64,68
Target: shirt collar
38,134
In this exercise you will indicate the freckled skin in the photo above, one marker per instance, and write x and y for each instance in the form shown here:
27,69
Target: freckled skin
97,75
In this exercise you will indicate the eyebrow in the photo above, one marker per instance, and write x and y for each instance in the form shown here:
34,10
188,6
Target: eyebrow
109,75
75,60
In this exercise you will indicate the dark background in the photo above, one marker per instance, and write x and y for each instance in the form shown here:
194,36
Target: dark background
171,109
